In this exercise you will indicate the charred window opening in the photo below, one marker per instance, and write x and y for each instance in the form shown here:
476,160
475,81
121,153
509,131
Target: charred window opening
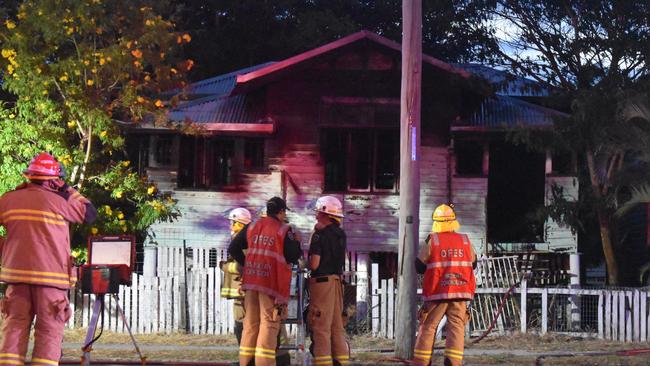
137,148
163,150
469,158
207,162
360,160
563,163
253,154
515,192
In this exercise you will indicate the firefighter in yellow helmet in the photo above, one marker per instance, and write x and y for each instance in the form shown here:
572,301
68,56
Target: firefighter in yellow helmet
231,286
326,260
447,261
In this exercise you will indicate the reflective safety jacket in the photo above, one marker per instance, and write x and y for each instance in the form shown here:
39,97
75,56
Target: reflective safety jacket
231,280
449,274
265,269
37,246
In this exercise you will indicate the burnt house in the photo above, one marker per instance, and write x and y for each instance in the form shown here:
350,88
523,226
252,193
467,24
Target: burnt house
327,122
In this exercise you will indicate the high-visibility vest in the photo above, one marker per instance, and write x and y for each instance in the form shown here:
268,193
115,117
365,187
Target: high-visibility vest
449,274
231,280
266,269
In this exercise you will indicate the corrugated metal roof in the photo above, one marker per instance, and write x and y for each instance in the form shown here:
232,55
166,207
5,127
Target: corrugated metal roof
222,84
220,109
219,85
502,112
507,84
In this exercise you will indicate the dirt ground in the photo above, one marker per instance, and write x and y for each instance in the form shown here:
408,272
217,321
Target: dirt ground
506,350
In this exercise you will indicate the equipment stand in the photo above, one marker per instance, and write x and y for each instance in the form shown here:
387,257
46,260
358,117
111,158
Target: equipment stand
98,309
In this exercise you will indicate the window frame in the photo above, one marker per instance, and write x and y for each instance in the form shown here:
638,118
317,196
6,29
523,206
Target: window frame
372,152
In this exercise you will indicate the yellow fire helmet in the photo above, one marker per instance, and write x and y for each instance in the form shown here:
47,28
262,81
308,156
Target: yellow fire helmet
444,219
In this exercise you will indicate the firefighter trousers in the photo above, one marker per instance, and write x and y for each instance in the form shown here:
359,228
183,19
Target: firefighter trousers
20,305
282,357
325,319
261,328
429,317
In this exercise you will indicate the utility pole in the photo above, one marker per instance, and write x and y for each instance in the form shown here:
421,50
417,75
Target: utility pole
409,197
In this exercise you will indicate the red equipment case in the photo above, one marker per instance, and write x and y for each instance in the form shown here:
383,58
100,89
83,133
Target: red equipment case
111,260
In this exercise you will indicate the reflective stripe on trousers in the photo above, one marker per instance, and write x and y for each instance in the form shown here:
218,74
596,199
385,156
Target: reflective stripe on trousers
429,317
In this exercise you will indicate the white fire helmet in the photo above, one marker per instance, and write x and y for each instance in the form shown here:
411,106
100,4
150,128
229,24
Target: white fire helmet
239,214
329,205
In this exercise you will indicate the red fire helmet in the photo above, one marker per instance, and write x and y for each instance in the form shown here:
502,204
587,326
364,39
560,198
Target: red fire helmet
43,167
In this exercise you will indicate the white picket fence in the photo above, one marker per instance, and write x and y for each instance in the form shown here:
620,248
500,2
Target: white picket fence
164,304
617,315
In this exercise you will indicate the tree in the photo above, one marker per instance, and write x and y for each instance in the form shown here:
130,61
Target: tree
77,73
232,34
592,55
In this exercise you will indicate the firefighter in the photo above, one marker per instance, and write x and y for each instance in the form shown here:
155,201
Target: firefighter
447,260
326,260
36,261
230,288
271,245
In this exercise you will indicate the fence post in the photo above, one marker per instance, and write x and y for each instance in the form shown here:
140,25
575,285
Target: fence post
150,258
621,316
600,315
374,299
643,303
544,311
391,308
628,316
608,315
363,262
522,307
574,299
636,335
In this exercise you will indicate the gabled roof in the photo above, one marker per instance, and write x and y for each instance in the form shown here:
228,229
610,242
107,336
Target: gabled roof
264,73
502,112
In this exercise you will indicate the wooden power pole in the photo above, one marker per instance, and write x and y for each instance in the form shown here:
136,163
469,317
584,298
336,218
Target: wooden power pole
409,196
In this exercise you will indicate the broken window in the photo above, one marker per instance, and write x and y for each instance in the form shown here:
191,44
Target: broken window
253,154
137,149
361,160
469,157
207,162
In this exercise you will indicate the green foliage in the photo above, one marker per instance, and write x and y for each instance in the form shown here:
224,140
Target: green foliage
77,72
593,55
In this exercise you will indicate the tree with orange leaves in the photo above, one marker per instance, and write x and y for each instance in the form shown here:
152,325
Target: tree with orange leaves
78,72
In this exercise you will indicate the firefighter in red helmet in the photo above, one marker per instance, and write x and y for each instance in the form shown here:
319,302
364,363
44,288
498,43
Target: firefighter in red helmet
447,261
36,216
